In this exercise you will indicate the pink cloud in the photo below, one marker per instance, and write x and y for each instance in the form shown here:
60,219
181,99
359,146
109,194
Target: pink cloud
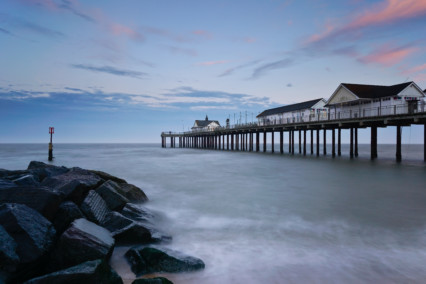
250,39
388,56
119,29
203,33
386,12
210,63
415,69
50,4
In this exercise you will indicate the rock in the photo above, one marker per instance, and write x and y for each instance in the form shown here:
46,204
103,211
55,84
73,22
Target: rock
68,212
113,199
5,183
27,180
94,207
154,259
114,221
33,234
74,184
89,272
106,176
42,170
155,280
9,259
137,213
132,192
82,241
39,198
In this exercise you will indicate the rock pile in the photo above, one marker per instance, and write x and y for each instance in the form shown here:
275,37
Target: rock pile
60,225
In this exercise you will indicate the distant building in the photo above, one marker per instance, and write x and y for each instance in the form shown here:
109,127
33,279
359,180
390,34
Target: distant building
355,100
300,112
205,125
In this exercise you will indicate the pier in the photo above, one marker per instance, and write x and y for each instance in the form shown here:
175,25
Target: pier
248,137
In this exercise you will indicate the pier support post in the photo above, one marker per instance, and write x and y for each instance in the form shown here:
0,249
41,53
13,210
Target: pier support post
289,141
325,141
424,142
247,144
304,142
227,141
300,141
281,141
318,142
333,143
264,141
373,150
273,141
257,141
292,142
398,144
312,141
339,141
237,142
232,141
351,146
356,141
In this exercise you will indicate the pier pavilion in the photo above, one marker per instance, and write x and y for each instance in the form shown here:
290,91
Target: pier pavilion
248,137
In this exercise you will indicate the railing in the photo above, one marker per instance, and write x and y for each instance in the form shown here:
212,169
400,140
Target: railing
331,115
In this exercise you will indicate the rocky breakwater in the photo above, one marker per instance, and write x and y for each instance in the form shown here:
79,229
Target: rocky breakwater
60,225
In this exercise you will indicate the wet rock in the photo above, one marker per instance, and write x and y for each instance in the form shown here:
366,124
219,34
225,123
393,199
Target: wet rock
9,259
94,207
42,170
114,200
132,192
33,234
89,272
155,280
27,180
106,176
5,183
137,213
154,259
82,241
73,184
126,231
67,212
39,198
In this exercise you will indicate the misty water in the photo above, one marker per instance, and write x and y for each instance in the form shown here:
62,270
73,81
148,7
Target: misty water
271,218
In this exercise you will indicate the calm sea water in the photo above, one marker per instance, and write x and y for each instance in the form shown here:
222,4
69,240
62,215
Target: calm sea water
271,218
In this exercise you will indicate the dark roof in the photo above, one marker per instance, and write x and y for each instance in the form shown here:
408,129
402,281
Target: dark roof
289,108
204,123
373,91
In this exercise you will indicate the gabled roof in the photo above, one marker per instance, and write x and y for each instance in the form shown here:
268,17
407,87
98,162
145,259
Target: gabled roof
204,123
374,91
289,108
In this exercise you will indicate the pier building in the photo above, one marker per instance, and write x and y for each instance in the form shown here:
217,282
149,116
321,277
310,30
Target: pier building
205,125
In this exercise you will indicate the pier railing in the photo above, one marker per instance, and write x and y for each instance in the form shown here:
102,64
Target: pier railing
386,111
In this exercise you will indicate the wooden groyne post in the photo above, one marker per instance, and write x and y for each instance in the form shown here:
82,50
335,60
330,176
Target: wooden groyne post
51,131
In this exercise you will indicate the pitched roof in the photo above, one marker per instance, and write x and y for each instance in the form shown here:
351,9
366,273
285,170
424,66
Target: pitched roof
204,123
374,91
289,108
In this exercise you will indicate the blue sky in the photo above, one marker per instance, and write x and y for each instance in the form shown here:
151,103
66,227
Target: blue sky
123,71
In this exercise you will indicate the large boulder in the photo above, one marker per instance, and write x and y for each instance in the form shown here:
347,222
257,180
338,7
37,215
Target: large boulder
9,259
27,180
154,259
82,241
42,170
106,176
132,192
5,183
94,207
33,234
114,200
137,213
155,280
67,212
39,198
89,272
73,184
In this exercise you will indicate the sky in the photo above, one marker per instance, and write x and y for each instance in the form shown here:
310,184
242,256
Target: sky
124,71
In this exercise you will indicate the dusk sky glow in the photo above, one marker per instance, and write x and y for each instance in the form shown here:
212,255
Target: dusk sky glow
123,71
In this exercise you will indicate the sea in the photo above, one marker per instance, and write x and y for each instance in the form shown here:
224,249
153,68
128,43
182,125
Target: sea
270,217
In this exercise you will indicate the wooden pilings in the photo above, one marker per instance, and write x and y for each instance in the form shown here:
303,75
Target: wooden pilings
244,139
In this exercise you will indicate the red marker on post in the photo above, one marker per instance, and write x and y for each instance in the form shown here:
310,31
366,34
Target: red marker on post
51,131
